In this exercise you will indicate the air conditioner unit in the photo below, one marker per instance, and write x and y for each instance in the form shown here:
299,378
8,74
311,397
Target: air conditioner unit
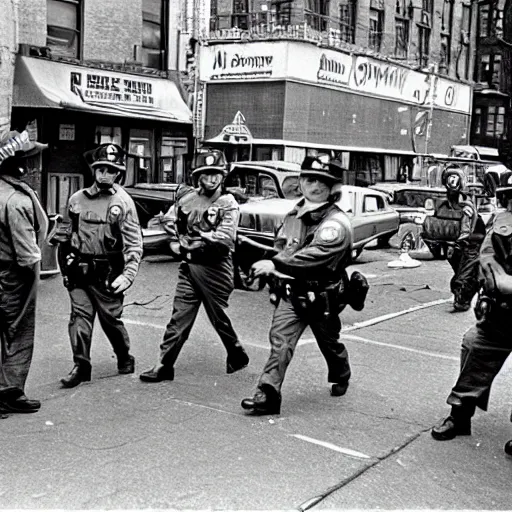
425,18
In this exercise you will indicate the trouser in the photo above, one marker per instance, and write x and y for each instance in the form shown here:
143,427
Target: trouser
200,284
86,302
287,327
18,290
464,261
485,349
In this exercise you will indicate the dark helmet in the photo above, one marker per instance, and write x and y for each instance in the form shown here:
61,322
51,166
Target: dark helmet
18,146
109,154
453,178
211,162
313,166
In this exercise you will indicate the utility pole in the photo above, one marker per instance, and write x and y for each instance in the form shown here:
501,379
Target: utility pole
505,149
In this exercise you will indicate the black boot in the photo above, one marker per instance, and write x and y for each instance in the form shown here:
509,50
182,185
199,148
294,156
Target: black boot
339,389
457,424
265,401
21,404
508,447
237,360
126,365
152,375
79,374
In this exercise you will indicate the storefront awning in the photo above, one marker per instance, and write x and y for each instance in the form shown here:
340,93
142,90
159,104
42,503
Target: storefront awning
48,84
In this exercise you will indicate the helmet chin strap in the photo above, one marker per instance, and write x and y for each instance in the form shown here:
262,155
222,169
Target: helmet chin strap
104,186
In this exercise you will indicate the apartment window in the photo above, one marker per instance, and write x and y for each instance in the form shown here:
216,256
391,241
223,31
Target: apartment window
423,44
495,121
488,70
172,159
490,20
465,32
214,15
348,20
446,36
375,28
401,37
240,17
154,33
283,12
317,14
63,27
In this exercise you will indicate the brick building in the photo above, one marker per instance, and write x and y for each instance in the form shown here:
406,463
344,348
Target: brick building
375,81
89,72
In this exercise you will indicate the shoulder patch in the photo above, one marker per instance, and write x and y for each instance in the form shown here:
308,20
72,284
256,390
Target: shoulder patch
330,231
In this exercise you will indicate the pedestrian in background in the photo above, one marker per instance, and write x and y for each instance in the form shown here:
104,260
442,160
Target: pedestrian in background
23,226
457,222
486,346
206,219
313,249
99,256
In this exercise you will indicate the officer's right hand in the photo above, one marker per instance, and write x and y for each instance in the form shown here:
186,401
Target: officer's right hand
120,284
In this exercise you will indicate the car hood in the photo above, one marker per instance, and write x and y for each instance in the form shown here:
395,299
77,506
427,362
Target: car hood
276,206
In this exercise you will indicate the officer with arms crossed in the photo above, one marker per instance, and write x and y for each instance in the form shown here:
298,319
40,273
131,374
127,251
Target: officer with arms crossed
23,225
486,346
456,220
313,248
206,222
99,256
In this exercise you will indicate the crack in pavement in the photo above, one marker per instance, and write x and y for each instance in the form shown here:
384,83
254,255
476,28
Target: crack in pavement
313,502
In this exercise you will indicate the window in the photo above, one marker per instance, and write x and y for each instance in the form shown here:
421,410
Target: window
317,14
283,13
172,160
347,202
477,121
106,134
490,20
240,17
348,20
488,70
139,169
423,44
154,33
401,37
463,60
484,25
372,204
495,121
375,29
214,15
446,36
63,21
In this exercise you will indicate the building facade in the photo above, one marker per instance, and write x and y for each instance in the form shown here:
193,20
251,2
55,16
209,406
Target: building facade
374,81
89,72
492,83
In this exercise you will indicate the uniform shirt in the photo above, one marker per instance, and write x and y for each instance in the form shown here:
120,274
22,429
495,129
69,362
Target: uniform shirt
314,245
203,220
18,240
105,222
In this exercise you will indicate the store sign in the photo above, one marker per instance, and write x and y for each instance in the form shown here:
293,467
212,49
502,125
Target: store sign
66,132
235,132
287,60
101,87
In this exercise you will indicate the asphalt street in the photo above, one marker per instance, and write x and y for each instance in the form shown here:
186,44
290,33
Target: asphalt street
118,443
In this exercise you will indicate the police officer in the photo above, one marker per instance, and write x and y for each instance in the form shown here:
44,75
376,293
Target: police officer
456,220
313,249
23,225
99,258
206,222
486,346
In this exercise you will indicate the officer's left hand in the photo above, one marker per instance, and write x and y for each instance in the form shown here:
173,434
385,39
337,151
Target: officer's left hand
262,268
120,284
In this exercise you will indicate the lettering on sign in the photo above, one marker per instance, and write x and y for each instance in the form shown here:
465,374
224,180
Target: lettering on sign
238,65
374,75
332,70
96,87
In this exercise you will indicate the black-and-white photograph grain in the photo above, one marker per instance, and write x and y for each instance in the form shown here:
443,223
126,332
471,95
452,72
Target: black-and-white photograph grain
255,255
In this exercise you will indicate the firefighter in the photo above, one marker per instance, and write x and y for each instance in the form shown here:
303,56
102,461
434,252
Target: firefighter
206,222
23,225
457,222
99,257
486,346
313,248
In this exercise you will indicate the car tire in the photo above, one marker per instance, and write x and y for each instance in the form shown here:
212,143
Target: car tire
383,241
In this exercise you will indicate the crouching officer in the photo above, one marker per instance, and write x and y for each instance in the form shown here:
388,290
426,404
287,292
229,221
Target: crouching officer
456,220
99,255
486,346
206,222
313,250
